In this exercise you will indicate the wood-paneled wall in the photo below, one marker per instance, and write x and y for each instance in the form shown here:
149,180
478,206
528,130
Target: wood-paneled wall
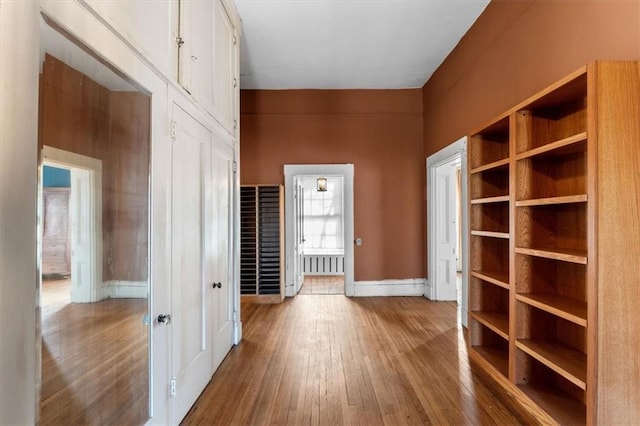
83,117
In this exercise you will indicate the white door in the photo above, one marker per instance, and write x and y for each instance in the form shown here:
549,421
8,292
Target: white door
192,238
222,287
446,234
298,214
82,224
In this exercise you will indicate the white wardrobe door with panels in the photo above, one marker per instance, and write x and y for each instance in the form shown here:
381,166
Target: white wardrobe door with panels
192,250
223,214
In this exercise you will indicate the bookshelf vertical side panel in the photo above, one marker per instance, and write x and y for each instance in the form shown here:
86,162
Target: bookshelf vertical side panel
617,106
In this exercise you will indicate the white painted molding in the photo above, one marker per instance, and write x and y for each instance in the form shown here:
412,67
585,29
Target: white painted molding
404,287
459,147
125,290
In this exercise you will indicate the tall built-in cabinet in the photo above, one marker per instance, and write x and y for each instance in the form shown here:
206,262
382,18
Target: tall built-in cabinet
554,245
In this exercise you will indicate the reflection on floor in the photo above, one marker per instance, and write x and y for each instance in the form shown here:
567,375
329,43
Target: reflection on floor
325,284
94,359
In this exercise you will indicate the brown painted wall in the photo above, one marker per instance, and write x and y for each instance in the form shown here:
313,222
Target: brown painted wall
81,116
380,132
516,48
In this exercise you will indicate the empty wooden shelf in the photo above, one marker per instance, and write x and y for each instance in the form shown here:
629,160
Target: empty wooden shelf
554,245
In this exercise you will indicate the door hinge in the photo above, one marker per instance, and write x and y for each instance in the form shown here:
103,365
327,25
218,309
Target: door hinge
180,41
174,129
172,387
234,167
235,316
235,40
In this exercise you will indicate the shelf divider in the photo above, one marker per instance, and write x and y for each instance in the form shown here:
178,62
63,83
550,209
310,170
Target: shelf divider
487,200
564,307
498,359
569,363
564,410
574,256
496,321
569,199
491,234
497,278
495,165
553,146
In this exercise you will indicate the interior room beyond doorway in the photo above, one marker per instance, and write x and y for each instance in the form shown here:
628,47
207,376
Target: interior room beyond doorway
321,223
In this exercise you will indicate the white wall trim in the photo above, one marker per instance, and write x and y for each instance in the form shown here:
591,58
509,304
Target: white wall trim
125,290
391,287
347,172
59,157
458,148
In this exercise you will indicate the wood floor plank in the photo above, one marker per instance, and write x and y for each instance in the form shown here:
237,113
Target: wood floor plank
332,360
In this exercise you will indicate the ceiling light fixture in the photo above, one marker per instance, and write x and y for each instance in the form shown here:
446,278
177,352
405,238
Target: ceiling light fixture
322,184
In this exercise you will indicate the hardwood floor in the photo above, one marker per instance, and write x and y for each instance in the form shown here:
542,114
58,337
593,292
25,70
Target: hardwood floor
322,284
94,360
332,360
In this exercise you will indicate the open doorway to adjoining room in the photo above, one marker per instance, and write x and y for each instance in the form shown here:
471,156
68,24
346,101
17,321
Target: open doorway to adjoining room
447,214
320,221
319,229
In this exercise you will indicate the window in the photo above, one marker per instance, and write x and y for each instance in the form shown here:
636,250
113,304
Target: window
323,228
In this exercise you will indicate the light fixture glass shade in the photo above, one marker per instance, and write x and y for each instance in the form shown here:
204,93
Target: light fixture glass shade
322,184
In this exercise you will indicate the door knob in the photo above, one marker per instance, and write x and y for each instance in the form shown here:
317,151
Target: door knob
164,319
216,285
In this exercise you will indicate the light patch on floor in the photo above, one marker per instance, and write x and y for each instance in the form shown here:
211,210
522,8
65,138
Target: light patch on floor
318,284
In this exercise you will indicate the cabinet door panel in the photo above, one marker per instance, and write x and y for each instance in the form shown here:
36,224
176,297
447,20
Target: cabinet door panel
225,78
151,26
196,53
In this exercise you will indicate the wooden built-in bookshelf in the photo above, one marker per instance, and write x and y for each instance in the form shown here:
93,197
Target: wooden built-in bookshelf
554,235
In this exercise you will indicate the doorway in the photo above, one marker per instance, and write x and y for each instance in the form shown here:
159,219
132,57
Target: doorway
71,187
300,232
447,220
320,234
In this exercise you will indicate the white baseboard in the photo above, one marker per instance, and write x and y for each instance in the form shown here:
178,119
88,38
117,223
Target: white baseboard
125,290
406,287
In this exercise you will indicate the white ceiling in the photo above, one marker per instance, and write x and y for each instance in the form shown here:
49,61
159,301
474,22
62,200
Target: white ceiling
348,44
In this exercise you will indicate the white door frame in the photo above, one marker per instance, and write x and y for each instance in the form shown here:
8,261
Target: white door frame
298,233
445,155
93,227
346,171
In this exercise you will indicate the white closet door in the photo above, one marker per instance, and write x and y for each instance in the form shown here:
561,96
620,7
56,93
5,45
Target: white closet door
192,271
223,222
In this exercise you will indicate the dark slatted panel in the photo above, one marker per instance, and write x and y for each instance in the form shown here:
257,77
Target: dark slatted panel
248,241
269,240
